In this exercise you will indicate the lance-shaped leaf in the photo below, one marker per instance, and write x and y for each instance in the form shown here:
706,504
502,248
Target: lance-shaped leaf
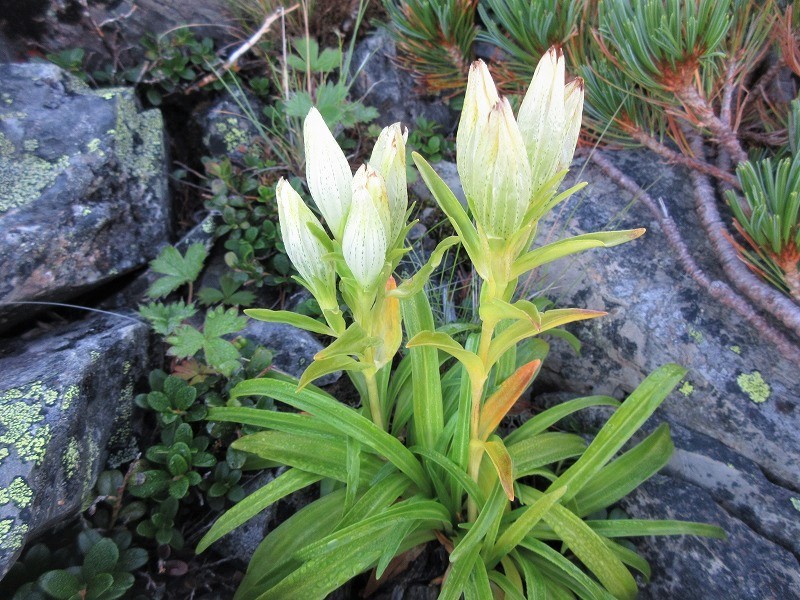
493,509
498,404
319,368
443,342
499,310
501,460
455,212
283,485
573,245
522,330
519,528
420,278
289,318
353,342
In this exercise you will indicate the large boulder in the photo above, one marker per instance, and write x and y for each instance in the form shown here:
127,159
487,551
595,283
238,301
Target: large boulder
83,186
745,566
384,85
66,400
739,390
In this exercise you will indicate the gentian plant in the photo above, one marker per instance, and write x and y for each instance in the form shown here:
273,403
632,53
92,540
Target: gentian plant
422,460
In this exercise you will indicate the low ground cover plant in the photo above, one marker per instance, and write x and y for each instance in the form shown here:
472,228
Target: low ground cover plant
422,459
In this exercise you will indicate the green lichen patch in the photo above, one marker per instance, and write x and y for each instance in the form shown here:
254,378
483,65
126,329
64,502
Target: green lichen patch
696,335
795,503
12,536
21,415
754,386
19,492
233,135
141,154
69,396
94,147
72,457
686,389
736,349
24,175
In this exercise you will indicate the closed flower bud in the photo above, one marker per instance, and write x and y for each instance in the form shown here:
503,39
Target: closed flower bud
305,251
542,118
573,100
389,159
364,242
497,179
480,98
327,172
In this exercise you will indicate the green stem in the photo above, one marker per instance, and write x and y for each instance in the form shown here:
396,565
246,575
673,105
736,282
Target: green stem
475,448
374,399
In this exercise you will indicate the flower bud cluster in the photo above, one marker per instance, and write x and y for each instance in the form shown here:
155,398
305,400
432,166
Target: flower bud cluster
365,213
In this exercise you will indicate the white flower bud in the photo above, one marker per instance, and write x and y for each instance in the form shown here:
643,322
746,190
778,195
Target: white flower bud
304,249
498,177
573,93
389,159
481,96
327,172
542,117
364,242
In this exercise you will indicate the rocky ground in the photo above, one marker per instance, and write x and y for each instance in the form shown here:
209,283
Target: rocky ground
85,204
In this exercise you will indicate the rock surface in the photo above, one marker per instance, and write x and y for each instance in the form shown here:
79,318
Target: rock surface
745,567
379,82
83,186
739,390
225,129
66,400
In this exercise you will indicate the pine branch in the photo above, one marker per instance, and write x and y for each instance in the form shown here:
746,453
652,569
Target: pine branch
718,290
761,294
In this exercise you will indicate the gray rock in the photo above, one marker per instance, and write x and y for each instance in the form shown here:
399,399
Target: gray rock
293,348
739,390
744,567
226,129
382,84
241,543
83,187
66,400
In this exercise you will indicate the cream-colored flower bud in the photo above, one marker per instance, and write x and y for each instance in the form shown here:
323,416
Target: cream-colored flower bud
481,96
498,176
389,159
364,242
304,249
542,117
327,172
573,93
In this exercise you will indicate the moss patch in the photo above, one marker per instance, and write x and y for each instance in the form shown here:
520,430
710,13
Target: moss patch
754,386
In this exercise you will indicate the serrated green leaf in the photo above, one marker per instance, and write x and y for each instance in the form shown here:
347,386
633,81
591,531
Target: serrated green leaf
221,322
177,270
186,342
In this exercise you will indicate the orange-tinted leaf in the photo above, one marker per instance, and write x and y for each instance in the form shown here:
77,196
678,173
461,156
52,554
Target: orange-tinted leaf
501,459
499,403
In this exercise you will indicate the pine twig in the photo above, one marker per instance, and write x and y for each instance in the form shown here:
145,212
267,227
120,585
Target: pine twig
699,108
671,156
761,294
718,290
251,41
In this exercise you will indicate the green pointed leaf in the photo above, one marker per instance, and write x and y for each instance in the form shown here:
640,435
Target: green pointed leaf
622,425
458,576
320,368
471,542
519,528
289,318
417,282
639,528
553,415
573,245
452,208
443,342
544,449
283,485
353,342
344,418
